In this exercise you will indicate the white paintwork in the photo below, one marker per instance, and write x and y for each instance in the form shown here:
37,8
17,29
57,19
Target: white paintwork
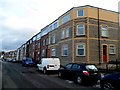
55,62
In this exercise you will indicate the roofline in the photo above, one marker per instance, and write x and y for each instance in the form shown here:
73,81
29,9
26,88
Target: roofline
97,7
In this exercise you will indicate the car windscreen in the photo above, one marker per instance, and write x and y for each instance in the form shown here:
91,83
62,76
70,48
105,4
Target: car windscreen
29,60
91,68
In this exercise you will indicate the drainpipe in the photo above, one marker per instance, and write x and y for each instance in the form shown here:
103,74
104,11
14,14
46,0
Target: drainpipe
73,43
99,47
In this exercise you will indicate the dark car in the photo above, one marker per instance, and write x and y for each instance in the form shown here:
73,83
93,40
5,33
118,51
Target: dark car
28,62
80,73
110,81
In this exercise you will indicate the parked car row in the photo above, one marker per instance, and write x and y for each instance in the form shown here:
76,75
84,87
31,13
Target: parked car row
85,74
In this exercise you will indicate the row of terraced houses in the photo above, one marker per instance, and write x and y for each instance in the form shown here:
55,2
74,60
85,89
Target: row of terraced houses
84,34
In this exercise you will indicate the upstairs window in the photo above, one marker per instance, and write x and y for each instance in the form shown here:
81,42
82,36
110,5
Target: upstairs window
80,13
49,40
63,34
67,32
53,39
112,49
44,42
104,30
65,18
80,29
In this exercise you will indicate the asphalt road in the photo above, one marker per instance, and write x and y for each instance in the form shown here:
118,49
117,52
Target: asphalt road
14,75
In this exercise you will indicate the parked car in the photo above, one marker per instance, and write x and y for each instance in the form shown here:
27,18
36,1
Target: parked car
26,61
110,81
81,73
13,61
48,64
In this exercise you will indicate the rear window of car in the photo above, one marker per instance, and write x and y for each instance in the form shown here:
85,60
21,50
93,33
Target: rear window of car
91,68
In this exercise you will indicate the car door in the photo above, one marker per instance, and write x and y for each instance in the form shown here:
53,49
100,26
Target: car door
67,71
74,71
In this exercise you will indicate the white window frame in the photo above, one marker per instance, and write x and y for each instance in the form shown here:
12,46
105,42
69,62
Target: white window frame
53,52
43,52
64,47
44,42
53,39
67,32
65,18
78,11
80,48
49,40
103,29
83,28
113,48
63,34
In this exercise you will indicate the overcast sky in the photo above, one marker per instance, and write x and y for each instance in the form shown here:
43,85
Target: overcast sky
21,19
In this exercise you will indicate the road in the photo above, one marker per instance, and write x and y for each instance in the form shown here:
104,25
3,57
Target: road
14,75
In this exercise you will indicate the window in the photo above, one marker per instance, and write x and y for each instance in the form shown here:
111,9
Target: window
80,13
112,49
68,66
80,29
75,66
44,42
43,52
65,50
53,52
49,39
34,38
80,50
65,18
62,34
104,31
55,25
67,32
53,39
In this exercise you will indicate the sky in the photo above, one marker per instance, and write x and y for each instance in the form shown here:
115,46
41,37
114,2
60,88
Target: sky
22,19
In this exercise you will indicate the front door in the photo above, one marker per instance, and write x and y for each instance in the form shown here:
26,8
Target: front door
105,53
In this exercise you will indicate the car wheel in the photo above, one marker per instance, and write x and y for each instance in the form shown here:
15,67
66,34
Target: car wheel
108,86
79,80
44,71
59,74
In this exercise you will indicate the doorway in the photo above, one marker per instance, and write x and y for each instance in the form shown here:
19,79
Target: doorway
105,55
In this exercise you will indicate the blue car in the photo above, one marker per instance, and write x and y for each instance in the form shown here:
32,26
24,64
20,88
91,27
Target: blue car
28,62
110,81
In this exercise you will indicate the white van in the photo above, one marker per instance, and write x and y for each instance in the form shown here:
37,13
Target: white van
47,64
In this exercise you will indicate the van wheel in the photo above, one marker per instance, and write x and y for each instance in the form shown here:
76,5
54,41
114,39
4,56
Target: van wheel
44,71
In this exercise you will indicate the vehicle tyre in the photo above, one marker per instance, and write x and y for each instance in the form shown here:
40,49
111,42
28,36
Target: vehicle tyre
44,71
107,86
59,74
79,80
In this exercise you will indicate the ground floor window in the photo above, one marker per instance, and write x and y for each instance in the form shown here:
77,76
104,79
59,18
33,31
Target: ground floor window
80,49
112,49
53,52
43,52
65,50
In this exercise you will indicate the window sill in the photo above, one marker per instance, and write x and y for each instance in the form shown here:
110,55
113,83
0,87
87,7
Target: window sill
64,55
80,55
112,53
